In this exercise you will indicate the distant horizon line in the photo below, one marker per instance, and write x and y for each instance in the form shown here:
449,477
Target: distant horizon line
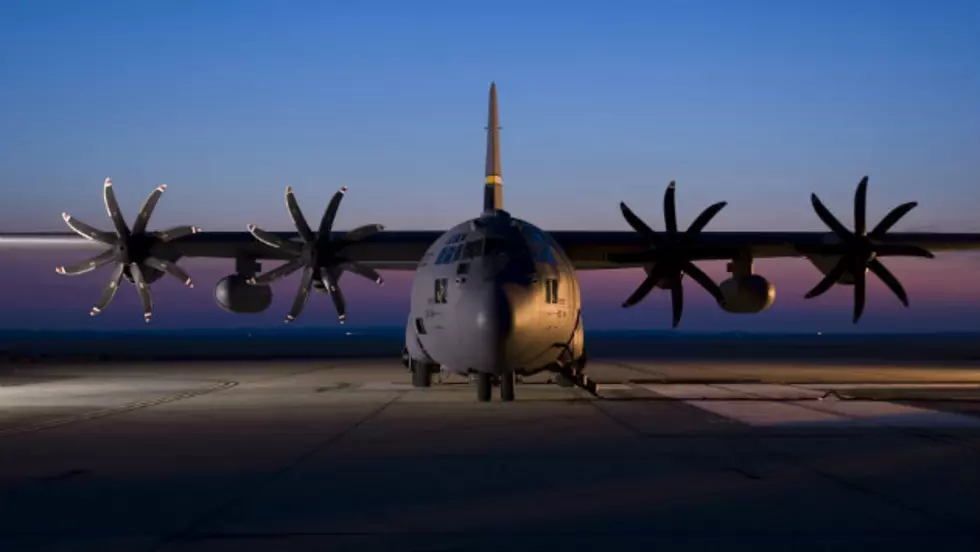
389,330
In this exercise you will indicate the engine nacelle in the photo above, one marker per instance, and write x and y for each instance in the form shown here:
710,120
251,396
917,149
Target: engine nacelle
748,294
234,295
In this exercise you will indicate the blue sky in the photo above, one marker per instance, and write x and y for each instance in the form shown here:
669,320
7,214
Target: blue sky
756,103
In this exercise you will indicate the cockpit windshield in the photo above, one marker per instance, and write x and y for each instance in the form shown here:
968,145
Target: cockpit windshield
474,249
495,246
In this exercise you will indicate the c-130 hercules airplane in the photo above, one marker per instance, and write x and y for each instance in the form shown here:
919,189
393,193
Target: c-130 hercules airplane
494,297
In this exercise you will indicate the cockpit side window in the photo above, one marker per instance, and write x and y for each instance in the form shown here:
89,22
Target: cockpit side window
540,248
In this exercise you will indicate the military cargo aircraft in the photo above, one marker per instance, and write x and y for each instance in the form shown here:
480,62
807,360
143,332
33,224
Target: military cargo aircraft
494,297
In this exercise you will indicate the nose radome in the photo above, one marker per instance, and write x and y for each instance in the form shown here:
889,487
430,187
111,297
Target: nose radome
489,326
495,315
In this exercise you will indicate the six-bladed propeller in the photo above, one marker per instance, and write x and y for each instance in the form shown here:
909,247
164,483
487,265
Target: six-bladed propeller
318,255
671,255
129,249
859,250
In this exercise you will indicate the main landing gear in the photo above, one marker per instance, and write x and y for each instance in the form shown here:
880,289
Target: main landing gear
421,372
485,383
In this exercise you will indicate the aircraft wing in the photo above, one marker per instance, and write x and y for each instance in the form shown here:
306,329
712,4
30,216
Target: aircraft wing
674,247
386,250
373,247
623,249
587,250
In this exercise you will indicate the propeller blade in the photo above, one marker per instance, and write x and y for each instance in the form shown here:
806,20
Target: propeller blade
109,292
362,232
829,280
139,226
891,218
305,283
299,221
176,232
326,223
861,208
319,285
860,291
828,218
143,289
276,274
677,300
363,271
670,209
275,241
637,224
704,280
170,268
890,280
88,232
703,219
112,207
336,295
89,265
898,250
645,287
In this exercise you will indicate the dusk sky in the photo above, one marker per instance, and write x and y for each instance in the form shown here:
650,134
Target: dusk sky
755,103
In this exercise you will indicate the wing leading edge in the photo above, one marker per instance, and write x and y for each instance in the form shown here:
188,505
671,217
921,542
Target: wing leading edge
588,250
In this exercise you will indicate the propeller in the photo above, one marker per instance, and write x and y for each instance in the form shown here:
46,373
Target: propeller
859,250
671,255
129,249
318,255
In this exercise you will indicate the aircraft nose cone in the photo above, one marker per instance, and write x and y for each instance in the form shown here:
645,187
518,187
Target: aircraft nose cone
494,317
489,315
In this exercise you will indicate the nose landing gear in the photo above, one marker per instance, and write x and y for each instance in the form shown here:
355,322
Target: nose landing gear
485,383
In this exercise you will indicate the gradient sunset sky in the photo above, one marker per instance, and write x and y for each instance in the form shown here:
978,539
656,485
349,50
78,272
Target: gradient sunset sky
756,103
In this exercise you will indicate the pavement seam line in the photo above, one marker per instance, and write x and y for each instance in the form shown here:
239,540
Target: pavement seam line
241,498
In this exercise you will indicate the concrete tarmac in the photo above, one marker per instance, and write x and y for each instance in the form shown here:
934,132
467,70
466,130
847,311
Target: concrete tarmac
346,455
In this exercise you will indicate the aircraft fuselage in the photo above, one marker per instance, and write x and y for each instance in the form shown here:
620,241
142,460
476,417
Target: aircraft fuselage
495,295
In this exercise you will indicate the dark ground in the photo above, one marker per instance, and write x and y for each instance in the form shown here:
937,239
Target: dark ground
342,454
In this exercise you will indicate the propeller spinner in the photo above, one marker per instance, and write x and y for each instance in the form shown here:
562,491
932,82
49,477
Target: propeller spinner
128,249
859,250
318,255
671,255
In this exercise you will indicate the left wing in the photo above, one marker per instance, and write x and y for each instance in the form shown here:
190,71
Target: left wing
843,255
644,246
598,250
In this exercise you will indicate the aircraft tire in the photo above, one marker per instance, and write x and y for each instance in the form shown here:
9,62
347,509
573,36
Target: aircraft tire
421,377
507,387
484,387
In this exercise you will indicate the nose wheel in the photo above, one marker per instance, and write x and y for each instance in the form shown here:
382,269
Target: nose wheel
485,383
507,381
